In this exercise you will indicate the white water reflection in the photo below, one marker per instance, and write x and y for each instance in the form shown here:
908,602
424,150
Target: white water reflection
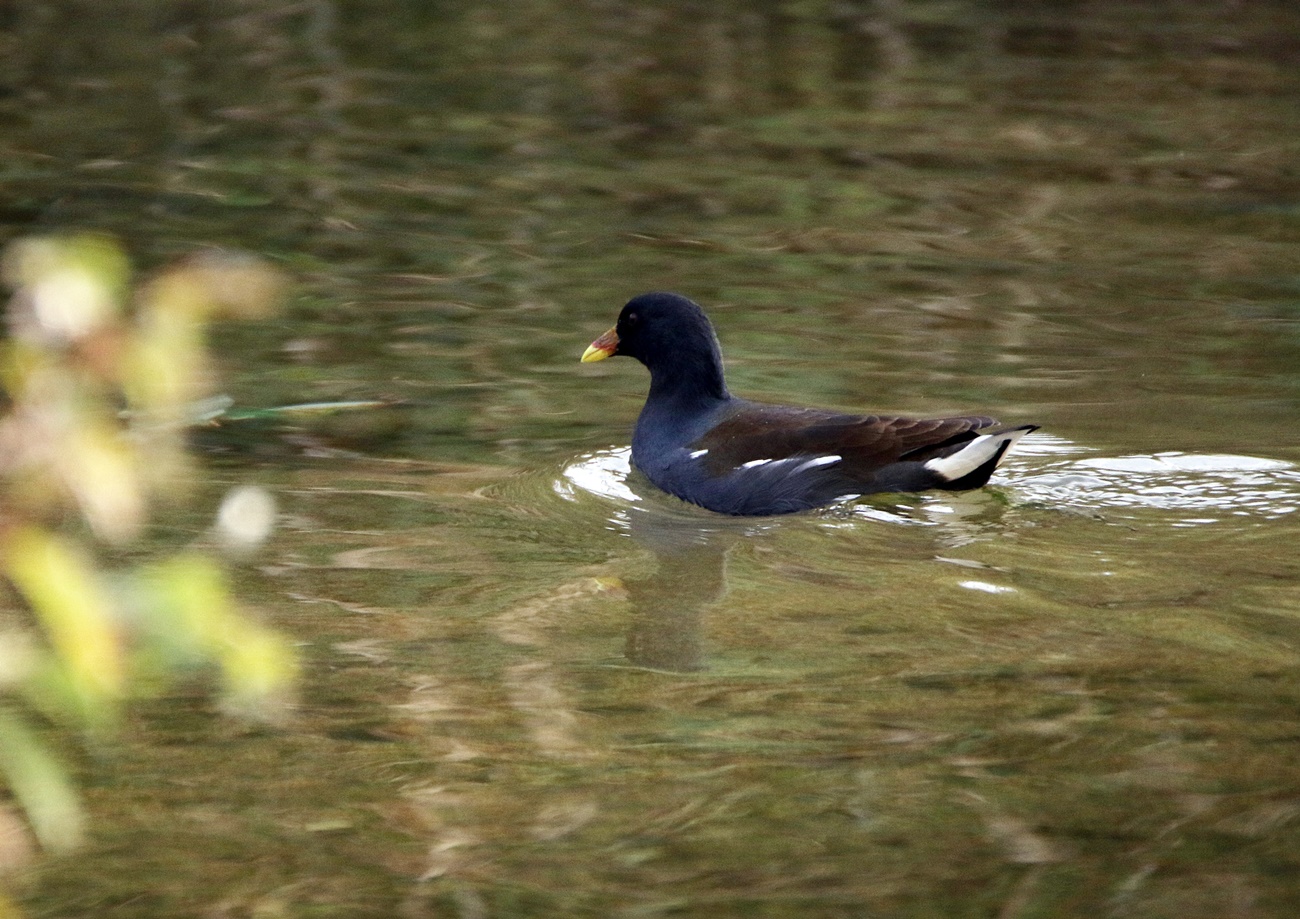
603,473
1206,487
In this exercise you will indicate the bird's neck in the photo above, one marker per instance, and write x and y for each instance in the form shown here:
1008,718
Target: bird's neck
679,408
691,373
700,386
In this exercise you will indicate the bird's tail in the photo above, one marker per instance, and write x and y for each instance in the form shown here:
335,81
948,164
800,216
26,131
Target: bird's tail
971,466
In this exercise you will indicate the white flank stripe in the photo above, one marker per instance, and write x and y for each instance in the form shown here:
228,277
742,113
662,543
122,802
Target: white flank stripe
696,454
817,461
752,463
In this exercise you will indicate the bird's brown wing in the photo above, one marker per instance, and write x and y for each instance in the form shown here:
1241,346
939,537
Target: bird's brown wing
864,443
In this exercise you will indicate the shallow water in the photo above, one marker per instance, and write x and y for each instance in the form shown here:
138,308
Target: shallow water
537,687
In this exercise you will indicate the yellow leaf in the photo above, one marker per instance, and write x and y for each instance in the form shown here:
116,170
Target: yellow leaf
40,785
65,592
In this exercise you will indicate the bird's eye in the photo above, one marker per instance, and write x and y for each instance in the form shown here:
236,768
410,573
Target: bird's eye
631,318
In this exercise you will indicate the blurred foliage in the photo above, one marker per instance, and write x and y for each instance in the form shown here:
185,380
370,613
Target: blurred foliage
98,379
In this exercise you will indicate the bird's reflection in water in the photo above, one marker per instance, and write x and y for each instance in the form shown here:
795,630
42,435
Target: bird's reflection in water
690,576
689,547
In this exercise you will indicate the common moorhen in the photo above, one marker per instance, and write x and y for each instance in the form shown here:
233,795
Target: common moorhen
697,441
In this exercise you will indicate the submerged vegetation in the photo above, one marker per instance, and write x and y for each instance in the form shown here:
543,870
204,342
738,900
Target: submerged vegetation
100,378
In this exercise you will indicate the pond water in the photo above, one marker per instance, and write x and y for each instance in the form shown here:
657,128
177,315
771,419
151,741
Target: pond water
536,687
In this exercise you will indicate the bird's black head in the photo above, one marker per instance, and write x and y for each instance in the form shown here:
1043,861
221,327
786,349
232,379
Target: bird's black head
657,327
672,337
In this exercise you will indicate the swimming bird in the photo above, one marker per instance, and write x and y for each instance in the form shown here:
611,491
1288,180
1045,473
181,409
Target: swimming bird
697,441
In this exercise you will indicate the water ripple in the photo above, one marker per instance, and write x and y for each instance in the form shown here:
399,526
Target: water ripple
1203,488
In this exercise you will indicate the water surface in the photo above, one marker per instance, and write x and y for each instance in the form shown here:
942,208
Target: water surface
536,687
